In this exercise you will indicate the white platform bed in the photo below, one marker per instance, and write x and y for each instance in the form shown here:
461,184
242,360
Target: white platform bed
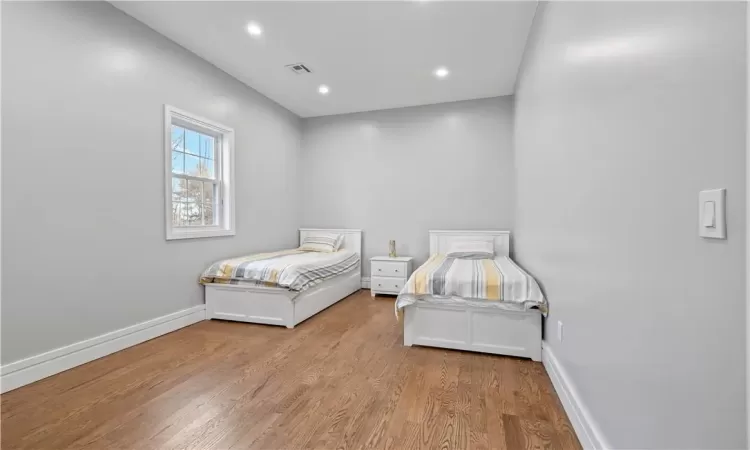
512,331
277,306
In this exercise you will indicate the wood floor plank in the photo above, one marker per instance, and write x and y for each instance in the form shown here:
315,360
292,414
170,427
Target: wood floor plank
340,380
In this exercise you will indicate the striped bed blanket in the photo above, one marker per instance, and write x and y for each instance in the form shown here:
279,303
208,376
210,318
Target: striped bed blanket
495,282
295,270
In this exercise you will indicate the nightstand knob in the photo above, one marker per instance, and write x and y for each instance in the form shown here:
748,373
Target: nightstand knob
379,270
396,270
395,285
379,284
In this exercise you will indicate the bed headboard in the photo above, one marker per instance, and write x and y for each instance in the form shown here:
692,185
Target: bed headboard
352,238
440,240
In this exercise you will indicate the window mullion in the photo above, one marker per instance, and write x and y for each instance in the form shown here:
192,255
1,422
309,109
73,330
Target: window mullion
193,177
200,204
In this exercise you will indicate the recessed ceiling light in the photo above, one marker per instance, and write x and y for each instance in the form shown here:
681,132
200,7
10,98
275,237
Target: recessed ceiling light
441,72
254,30
323,89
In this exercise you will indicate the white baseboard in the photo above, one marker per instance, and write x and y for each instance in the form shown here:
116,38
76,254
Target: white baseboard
29,370
586,428
365,282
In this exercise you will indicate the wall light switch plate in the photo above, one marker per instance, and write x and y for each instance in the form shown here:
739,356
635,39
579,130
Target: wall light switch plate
712,219
559,330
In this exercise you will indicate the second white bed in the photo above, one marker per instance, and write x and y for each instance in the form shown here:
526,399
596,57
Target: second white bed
280,306
500,327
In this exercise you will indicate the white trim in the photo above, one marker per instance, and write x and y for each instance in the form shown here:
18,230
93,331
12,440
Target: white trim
202,122
29,370
333,230
440,239
224,164
585,426
190,233
365,282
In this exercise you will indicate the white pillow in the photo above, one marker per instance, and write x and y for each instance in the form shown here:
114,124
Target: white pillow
471,250
321,242
339,242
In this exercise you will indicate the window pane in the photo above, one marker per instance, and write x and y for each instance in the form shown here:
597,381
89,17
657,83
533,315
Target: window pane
192,165
192,142
208,214
206,168
207,146
177,214
178,138
195,213
185,213
194,191
179,189
178,162
208,192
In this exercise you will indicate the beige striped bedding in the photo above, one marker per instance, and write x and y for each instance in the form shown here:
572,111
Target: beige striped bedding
295,269
484,282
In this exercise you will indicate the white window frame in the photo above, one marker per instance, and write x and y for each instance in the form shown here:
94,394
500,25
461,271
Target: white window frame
224,161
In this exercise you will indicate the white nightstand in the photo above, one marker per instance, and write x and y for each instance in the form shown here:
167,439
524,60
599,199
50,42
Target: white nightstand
388,275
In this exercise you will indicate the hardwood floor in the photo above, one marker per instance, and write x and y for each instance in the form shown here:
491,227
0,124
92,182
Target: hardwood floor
341,379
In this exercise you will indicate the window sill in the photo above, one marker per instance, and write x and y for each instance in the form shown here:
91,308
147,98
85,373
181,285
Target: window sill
196,234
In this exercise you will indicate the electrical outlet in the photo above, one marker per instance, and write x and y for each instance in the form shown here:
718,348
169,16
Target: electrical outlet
559,330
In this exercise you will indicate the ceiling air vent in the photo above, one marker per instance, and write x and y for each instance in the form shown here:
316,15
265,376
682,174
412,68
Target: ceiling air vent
299,68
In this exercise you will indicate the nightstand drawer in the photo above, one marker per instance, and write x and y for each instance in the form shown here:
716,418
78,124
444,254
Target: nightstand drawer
389,269
382,284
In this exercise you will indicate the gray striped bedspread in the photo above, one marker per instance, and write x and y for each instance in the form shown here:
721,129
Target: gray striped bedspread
497,282
295,270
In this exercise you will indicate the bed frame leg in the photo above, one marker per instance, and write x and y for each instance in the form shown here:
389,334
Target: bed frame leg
408,327
536,353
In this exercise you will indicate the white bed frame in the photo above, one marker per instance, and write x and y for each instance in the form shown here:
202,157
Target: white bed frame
276,306
486,330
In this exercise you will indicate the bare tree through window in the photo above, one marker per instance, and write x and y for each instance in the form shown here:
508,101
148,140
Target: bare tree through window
194,180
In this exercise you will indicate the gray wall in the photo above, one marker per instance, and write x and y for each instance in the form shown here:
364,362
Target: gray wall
84,251
398,173
624,111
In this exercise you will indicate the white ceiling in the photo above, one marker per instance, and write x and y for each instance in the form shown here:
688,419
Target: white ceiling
373,55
